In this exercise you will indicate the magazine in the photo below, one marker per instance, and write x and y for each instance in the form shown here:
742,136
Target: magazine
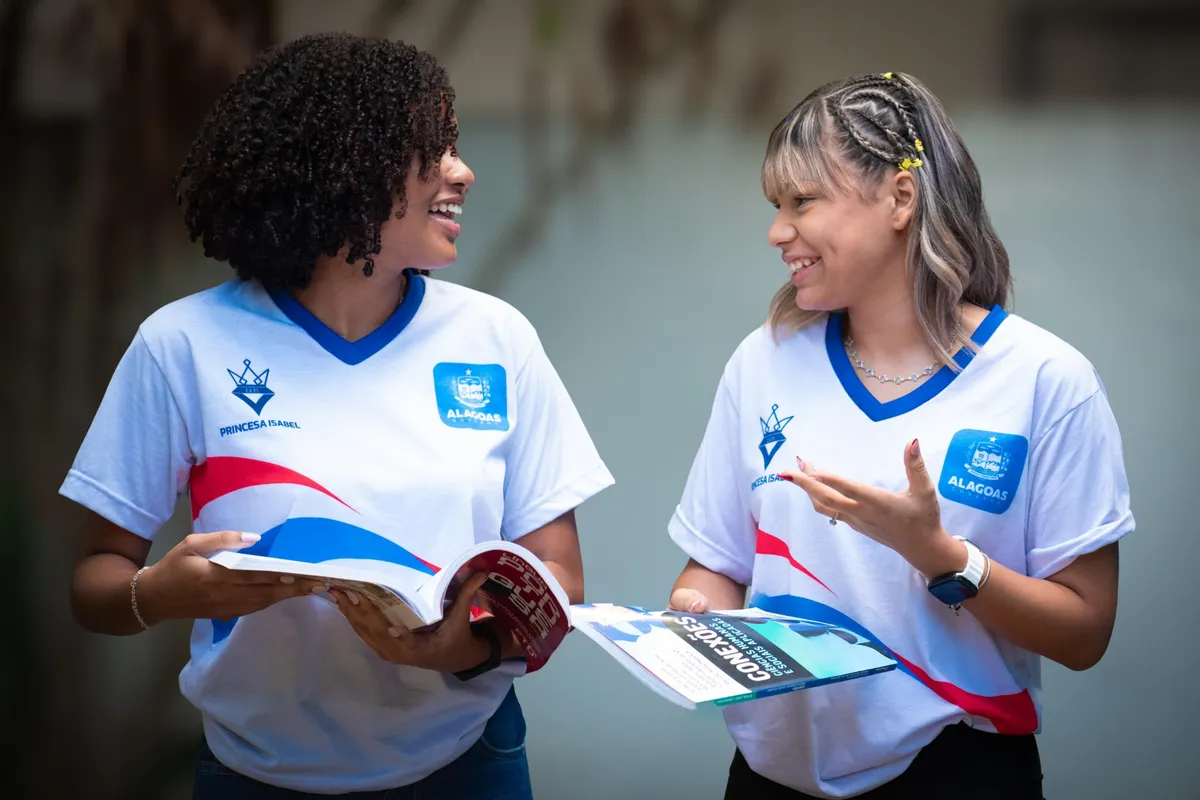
520,590
727,657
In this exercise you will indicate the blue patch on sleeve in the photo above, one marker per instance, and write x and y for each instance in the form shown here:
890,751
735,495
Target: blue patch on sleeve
473,396
983,469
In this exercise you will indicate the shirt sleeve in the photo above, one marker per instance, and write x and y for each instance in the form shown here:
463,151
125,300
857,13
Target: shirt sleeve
712,522
135,459
1079,492
552,465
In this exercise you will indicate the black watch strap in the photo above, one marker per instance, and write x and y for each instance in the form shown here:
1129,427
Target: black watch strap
484,630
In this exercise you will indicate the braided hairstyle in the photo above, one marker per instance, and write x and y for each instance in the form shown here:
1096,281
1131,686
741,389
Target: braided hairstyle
878,117
847,136
308,150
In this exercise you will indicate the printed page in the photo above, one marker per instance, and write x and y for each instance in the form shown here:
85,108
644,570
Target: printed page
733,656
648,641
390,588
826,652
346,550
648,678
520,592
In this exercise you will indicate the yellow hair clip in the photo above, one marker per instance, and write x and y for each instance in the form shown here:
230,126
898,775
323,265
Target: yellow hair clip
920,147
908,163
887,75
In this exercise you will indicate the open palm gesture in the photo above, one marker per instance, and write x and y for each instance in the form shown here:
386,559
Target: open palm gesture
909,521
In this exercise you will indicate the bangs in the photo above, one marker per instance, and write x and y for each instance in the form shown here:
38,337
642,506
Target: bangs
800,157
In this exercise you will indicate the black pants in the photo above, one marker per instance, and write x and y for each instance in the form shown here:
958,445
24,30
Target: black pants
961,763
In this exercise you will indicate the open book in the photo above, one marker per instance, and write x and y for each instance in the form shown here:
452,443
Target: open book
727,656
722,657
520,591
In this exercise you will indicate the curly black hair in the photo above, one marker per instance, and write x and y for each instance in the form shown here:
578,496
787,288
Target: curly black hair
308,150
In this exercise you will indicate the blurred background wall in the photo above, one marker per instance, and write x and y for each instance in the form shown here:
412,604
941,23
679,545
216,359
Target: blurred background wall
616,147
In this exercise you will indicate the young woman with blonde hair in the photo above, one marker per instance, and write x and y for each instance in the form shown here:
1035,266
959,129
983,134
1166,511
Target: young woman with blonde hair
896,453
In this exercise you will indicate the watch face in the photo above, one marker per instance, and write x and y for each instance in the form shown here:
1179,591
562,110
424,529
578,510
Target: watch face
952,590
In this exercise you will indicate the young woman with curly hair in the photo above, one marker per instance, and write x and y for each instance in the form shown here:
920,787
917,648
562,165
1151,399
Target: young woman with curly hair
333,380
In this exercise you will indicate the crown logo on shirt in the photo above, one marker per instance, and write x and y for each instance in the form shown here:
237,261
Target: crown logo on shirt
773,438
251,387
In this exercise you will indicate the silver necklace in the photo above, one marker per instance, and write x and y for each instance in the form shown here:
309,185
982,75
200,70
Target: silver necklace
883,378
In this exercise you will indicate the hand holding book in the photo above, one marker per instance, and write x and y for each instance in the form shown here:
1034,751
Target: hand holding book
185,584
449,647
497,578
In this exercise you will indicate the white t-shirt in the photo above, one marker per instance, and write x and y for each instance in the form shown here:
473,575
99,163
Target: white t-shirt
1027,461
445,427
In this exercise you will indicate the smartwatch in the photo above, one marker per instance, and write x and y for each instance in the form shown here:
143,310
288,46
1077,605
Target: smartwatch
483,630
954,588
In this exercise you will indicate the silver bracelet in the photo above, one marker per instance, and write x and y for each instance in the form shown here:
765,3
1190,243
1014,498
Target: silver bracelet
133,598
987,573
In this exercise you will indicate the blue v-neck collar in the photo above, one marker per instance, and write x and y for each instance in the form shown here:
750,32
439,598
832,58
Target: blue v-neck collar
877,410
358,351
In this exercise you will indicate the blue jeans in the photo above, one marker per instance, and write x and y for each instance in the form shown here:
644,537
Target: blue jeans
495,768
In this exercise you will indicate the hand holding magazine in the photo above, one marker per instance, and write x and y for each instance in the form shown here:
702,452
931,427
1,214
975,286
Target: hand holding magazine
520,590
727,657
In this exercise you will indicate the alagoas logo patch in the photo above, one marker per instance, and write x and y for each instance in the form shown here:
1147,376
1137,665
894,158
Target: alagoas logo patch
983,469
473,396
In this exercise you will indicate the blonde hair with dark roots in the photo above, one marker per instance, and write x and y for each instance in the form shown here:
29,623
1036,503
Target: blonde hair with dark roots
847,135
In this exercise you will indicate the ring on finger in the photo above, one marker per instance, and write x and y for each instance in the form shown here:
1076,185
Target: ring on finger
833,519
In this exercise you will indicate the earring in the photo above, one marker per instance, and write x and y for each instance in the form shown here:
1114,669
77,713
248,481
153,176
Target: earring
369,268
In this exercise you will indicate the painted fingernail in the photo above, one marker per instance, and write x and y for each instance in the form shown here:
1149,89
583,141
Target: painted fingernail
286,579
695,606
800,463
394,633
250,538
783,477
353,597
916,447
